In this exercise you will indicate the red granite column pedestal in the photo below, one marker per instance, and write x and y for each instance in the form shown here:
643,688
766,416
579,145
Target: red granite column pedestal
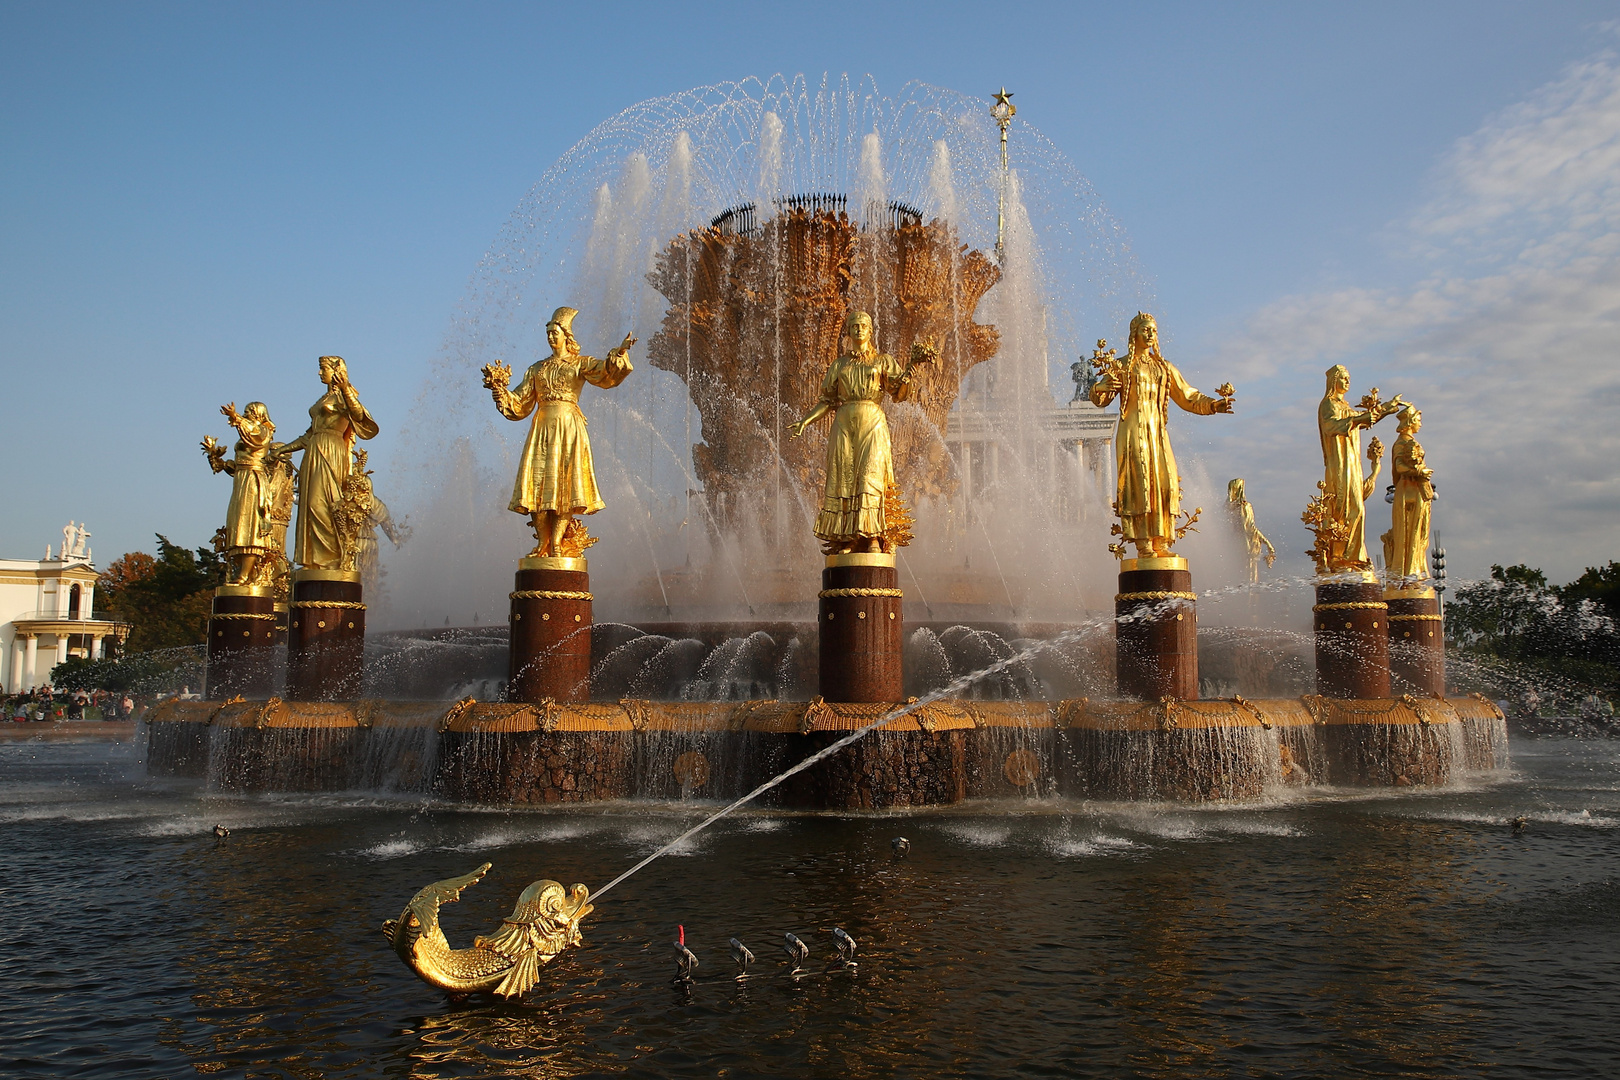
1351,622
1156,630
241,643
861,628
326,636
551,631
1417,642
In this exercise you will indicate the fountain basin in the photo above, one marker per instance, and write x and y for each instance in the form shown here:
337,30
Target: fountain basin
939,754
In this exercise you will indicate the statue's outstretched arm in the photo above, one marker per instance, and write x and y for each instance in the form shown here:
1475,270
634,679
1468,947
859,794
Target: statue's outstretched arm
512,405
1190,399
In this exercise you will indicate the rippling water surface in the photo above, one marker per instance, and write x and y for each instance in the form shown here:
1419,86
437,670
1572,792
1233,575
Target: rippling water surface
1390,934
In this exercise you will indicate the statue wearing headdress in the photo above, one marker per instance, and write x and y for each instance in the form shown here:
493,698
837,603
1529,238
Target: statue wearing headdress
1148,496
1406,545
1341,508
556,479
248,540
860,504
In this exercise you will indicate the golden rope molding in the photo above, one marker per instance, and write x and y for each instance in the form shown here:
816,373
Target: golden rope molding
1354,605
242,615
1417,618
833,594
350,605
548,594
1156,595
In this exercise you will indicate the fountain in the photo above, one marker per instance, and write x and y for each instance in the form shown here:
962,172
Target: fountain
744,231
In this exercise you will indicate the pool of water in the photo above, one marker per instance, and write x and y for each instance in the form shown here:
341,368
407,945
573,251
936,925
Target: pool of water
1388,934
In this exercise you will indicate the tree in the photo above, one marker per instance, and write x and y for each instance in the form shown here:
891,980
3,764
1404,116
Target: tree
166,599
1504,615
1566,631
1600,584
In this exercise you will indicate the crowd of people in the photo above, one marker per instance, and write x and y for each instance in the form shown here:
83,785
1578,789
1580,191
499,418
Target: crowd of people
48,704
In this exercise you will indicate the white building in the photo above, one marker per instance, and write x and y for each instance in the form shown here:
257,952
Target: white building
47,613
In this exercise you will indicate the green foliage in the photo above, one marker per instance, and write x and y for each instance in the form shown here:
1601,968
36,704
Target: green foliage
167,670
1601,585
166,599
1567,632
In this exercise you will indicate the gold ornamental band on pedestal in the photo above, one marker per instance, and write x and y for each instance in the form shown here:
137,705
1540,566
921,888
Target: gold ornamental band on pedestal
549,594
352,576
1420,593
1153,562
1157,594
243,615
552,562
244,590
350,605
1417,618
861,558
1354,605
833,594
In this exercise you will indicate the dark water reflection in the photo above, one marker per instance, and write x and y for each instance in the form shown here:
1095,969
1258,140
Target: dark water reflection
1398,935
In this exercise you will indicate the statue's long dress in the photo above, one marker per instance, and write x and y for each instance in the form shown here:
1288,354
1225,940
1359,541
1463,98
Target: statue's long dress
1148,496
1244,513
556,471
860,461
1409,518
334,423
247,518
1340,427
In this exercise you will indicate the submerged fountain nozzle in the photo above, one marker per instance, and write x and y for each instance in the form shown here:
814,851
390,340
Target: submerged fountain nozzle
740,953
221,831
845,945
901,846
798,952
685,961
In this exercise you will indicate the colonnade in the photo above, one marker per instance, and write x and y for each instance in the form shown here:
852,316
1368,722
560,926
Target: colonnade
24,669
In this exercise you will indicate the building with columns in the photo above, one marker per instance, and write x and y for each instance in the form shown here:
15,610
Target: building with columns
48,616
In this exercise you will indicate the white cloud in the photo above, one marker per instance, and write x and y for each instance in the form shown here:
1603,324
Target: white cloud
1508,341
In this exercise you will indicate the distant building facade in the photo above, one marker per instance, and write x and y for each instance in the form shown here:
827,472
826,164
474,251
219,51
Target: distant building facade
47,613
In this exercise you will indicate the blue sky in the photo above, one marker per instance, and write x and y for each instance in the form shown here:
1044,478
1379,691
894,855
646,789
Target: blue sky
197,200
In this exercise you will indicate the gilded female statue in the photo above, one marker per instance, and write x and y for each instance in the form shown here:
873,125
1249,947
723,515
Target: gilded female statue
252,470
1406,545
335,422
556,479
1148,499
860,461
1253,539
1344,487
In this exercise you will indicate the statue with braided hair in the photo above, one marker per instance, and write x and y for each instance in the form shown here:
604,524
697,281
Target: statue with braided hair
1148,492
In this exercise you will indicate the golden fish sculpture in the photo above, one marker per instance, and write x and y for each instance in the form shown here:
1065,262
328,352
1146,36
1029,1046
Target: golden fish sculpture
505,962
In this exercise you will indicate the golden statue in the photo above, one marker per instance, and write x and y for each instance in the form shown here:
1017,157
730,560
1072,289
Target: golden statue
1253,539
248,534
335,422
1148,499
370,561
556,479
507,961
860,497
1406,545
1343,514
